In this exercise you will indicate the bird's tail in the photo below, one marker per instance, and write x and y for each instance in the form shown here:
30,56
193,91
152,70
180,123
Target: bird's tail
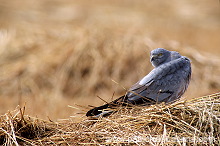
99,111
103,110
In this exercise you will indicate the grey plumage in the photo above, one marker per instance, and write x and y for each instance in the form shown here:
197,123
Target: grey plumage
167,82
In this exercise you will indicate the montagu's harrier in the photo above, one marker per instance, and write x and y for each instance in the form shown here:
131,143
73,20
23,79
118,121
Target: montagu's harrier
167,82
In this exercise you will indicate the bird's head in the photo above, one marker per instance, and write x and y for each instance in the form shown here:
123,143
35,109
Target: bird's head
159,56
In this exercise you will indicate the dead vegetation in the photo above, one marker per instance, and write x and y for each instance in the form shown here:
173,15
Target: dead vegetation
54,53
191,122
57,53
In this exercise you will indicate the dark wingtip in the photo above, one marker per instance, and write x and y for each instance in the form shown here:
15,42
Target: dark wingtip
96,111
89,113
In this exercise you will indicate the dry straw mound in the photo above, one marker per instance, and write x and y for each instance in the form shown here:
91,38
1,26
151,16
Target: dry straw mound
191,122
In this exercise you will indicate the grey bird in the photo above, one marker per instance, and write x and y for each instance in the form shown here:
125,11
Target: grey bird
167,82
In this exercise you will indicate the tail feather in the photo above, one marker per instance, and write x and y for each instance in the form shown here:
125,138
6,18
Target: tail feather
100,111
97,110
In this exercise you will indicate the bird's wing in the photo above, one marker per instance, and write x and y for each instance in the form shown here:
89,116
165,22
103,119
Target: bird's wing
161,82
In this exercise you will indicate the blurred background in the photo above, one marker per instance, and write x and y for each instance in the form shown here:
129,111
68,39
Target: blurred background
55,53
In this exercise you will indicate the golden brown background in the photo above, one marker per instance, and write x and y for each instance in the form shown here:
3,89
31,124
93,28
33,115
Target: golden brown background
54,53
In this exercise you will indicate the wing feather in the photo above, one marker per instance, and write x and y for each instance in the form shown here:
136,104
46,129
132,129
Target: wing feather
162,82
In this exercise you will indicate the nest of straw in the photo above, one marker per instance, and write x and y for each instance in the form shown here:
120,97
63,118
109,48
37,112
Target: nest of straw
189,122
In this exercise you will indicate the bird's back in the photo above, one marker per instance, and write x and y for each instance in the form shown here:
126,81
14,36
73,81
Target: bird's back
166,82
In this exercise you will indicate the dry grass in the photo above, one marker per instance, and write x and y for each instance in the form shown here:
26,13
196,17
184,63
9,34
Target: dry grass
192,122
56,53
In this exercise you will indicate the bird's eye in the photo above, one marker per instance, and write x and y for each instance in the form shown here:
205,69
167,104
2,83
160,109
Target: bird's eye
160,54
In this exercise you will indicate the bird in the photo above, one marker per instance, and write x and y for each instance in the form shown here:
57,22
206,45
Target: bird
167,82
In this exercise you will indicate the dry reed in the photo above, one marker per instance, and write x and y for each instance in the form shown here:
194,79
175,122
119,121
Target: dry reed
185,122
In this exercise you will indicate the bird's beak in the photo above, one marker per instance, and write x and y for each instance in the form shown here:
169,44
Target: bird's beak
152,57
